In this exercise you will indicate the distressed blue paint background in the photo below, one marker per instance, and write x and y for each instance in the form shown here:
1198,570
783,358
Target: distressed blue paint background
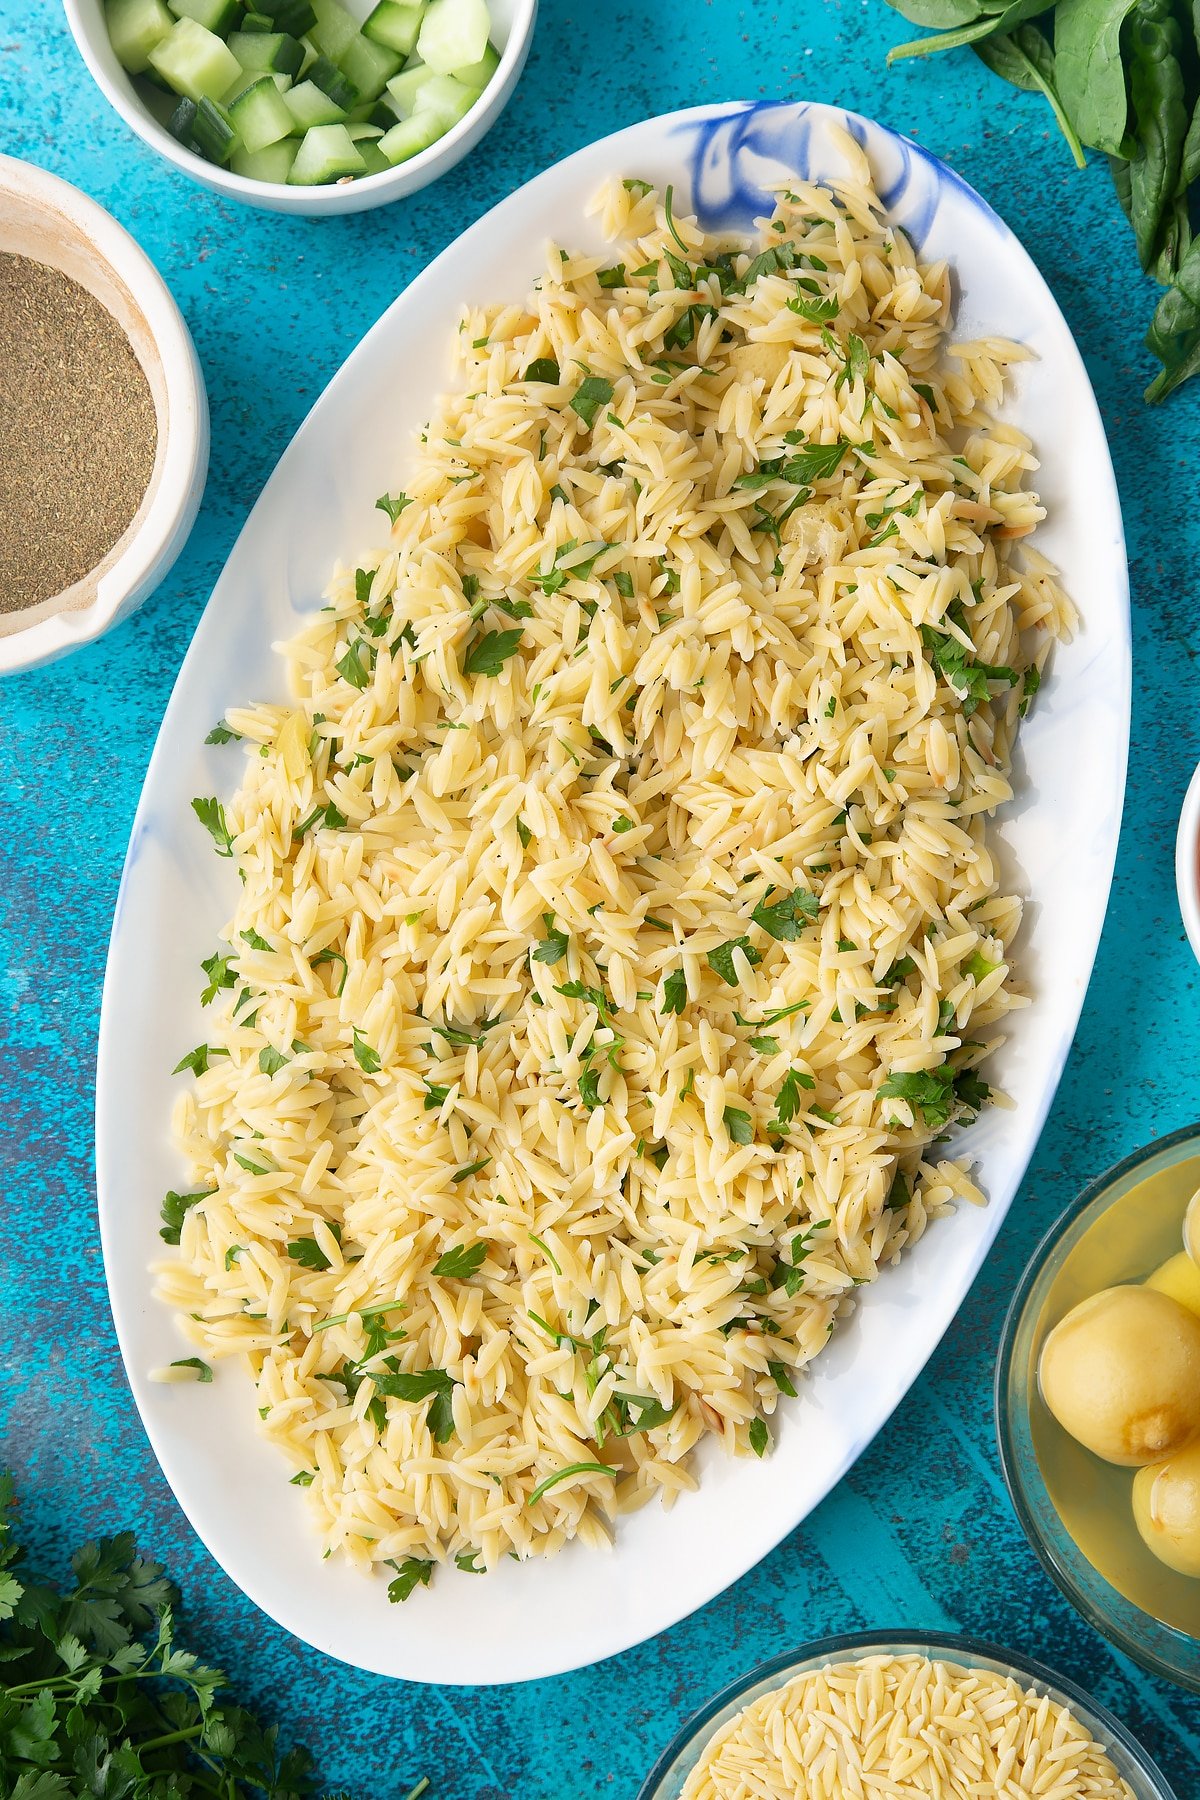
921,1533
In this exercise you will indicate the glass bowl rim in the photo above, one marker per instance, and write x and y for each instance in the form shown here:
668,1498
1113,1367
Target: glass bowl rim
1099,1620
906,1642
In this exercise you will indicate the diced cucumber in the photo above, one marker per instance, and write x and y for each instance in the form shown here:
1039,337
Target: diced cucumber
161,103
272,164
395,23
260,115
409,138
135,28
453,34
329,78
214,134
327,153
182,122
269,51
373,158
362,132
404,88
195,62
368,65
444,99
309,105
293,16
257,22
477,75
333,28
383,115
214,15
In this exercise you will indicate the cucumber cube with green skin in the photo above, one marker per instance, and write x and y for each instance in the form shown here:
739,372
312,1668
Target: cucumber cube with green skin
135,27
395,24
444,99
404,88
293,16
257,22
330,79
214,15
309,105
360,130
409,138
327,153
195,62
334,28
272,164
369,66
271,52
376,162
261,116
477,75
453,34
214,134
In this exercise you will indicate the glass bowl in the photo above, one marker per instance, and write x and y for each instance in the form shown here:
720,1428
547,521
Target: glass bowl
666,1780
1123,1225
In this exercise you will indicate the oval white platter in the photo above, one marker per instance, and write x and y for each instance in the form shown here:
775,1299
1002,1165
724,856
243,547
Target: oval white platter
1059,840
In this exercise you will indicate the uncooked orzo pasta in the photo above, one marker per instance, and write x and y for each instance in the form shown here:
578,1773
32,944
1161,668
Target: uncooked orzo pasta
618,928
903,1728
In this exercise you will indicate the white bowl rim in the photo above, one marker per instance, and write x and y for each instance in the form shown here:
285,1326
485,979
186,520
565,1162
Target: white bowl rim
1187,862
945,1646
185,449
316,200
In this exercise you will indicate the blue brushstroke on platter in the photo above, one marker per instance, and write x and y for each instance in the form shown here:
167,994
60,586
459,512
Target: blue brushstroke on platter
922,1529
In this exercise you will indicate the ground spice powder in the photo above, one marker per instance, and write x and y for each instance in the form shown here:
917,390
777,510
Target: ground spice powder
77,432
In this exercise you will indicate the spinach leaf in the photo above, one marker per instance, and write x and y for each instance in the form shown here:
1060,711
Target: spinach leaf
988,25
1160,123
1174,334
1025,58
1089,69
941,15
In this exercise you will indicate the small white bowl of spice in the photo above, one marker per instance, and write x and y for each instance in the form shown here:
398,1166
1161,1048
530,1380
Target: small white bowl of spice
103,418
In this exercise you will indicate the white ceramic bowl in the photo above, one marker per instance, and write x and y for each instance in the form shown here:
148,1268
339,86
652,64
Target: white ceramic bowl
52,222
1056,841
1187,863
512,33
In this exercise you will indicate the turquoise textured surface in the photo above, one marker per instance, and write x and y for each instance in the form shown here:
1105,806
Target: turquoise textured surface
921,1534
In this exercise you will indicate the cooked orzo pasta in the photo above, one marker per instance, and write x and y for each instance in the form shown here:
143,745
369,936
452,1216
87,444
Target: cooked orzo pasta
618,928
901,1728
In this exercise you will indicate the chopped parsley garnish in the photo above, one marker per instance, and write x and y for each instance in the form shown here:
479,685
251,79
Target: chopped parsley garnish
674,992
543,368
488,655
621,823
198,1060
220,975
174,1209
197,1364
524,833
1031,681
425,1384
739,1125
461,1175
721,962
929,1092
211,815
330,956
589,1089
368,1060
576,1468
579,990
547,1253
309,1254
612,278
639,189
802,1247
787,1101
270,1060
460,1263
222,734
785,918
326,816
760,1437
255,940
816,311
967,678
414,1572
553,946
592,393
392,507
779,1375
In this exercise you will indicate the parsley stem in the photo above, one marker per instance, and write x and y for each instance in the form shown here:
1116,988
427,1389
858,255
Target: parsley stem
172,1737
363,1312
579,1468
